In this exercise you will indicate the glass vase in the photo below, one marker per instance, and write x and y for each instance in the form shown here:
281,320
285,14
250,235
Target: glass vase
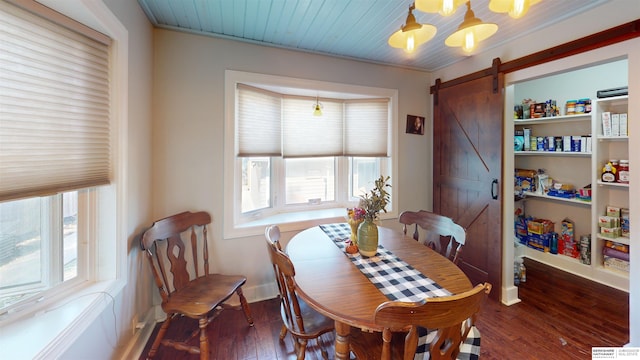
368,238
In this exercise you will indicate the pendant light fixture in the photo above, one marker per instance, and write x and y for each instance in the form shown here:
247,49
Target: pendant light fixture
412,34
470,32
317,108
443,7
515,8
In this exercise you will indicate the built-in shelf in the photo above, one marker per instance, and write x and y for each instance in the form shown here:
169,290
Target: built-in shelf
620,185
552,153
620,239
554,119
528,194
612,138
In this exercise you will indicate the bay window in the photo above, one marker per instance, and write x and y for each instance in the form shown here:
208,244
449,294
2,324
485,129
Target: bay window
284,162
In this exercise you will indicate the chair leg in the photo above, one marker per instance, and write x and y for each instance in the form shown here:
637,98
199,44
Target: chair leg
160,336
204,342
245,306
323,351
283,331
302,349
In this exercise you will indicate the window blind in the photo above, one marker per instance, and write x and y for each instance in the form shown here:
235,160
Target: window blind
271,124
366,128
258,122
54,107
305,135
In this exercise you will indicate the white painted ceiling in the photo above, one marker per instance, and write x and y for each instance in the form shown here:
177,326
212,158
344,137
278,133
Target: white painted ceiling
355,29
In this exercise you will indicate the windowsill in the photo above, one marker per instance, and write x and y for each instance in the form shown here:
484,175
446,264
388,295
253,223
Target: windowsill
47,332
294,221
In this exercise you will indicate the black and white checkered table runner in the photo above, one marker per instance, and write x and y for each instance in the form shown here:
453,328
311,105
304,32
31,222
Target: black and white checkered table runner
399,281
396,279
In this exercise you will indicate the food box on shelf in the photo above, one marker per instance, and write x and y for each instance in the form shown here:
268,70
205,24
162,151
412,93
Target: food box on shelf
524,180
520,222
521,230
624,222
567,244
566,191
585,193
611,232
616,264
539,226
605,221
540,242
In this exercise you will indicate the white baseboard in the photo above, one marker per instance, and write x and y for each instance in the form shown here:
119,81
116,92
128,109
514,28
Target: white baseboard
510,295
139,340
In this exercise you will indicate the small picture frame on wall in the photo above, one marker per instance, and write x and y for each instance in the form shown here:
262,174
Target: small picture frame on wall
415,124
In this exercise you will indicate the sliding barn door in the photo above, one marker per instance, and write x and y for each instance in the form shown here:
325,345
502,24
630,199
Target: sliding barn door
467,130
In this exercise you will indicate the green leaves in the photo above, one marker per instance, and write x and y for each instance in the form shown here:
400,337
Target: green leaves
377,199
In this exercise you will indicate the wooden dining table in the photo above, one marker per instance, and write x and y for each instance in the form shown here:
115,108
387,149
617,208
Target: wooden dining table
330,283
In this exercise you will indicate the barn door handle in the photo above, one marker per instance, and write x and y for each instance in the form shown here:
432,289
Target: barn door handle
494,188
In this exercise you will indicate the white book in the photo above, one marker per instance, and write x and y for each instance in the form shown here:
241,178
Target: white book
527,139
623,125
615,124
566,143
606,123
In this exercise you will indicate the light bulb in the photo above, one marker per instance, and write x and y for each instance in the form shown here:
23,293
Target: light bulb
469,42
519,8
411,43
447,8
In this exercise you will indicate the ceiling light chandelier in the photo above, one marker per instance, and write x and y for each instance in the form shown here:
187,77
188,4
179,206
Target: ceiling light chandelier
470,32
515,8
317,108
443,7
412,34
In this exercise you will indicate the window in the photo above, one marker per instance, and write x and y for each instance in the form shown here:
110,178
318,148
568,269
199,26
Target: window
39,248
55,152
286,164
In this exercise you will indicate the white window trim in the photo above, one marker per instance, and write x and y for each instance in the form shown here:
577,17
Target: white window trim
298,220
49,328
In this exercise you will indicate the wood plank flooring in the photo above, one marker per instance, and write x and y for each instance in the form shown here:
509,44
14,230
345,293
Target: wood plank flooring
561,316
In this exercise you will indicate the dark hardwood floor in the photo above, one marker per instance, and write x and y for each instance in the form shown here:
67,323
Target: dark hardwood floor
561,316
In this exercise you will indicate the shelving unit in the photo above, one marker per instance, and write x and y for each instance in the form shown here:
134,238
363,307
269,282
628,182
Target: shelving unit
568,167
579,169
614,194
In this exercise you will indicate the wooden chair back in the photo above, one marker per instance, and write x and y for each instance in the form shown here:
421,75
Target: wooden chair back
299,319
452,316
438,232
285,273
177,250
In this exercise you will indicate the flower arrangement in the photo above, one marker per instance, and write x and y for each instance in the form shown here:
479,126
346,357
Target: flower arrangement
355,214
376,200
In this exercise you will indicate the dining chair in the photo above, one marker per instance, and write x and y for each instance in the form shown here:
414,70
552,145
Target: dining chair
439,232
441,327
298,318
177,250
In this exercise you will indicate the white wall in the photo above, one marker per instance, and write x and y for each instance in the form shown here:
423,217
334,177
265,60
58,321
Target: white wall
189,122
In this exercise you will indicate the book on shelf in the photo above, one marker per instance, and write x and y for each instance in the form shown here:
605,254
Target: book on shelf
606,123
623,125
615,124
